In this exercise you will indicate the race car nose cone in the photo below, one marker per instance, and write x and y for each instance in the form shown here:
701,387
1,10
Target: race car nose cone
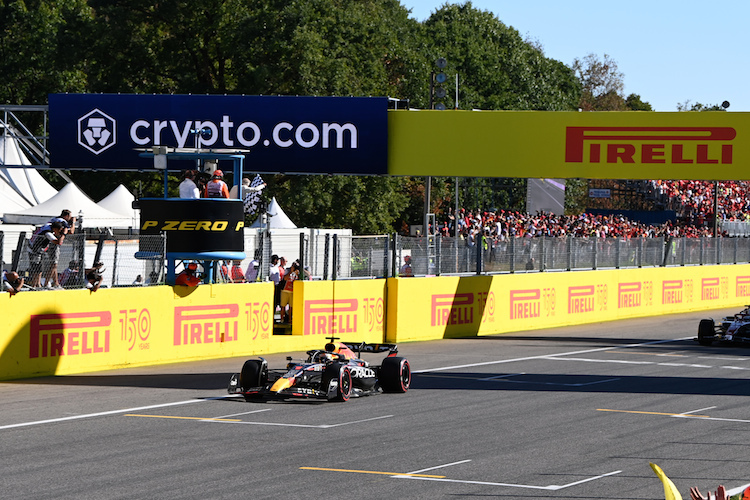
281,384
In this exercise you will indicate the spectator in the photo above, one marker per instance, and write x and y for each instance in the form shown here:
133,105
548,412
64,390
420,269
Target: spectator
188,277
138,280
246,189
188,188
12,282
235,274
216,187
93,280
406,270
38,244
98,268
69,277
153,278
52,255
274,275
287,287
251,274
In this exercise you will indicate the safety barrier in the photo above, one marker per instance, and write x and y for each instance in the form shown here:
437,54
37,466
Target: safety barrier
77,331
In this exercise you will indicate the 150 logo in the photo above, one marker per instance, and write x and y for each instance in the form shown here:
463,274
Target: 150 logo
135,326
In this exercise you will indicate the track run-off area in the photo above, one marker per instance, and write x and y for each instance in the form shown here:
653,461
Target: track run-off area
574,412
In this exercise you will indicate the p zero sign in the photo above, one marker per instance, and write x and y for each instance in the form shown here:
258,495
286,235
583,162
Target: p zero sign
346,135
194,226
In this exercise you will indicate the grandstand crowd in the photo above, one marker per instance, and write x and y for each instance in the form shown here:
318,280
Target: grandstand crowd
692,201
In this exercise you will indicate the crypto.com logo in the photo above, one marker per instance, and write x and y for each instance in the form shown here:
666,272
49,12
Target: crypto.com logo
96,131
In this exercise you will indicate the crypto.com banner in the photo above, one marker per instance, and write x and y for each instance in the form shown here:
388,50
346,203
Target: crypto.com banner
557,144
340,135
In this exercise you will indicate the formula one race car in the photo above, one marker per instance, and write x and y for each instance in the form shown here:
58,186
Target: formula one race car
734,329
334,373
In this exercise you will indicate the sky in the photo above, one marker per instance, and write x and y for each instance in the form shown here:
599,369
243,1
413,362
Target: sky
669,52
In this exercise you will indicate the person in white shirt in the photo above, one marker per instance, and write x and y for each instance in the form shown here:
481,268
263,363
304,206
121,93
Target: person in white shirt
251,275
188,188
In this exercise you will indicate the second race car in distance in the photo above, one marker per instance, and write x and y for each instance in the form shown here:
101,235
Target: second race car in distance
334,373
731,329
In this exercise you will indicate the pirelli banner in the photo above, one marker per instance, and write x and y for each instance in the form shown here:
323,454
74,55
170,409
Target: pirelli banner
434,308
194,226
548,144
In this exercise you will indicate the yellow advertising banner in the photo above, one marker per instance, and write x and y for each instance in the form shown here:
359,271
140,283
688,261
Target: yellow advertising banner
77,331
434,308
558,144
349,310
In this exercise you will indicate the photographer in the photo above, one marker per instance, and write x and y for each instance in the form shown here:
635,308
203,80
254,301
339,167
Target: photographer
93,281
52,256
12,282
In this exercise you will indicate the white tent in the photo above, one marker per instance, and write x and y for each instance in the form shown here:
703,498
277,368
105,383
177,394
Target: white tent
120,201
277,219
72,198
20,187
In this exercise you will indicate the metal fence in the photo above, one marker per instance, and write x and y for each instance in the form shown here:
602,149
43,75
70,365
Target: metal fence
338,256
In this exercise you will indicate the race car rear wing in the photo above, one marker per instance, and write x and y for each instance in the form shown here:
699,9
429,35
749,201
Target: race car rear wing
361,347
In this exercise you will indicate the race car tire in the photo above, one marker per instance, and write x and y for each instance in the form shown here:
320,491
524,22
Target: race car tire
343,374
706,332
254,373
395,375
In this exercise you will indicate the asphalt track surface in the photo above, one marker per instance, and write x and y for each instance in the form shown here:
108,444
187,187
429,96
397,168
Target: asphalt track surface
575,412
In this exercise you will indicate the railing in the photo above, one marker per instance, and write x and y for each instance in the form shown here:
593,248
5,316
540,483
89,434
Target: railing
336,256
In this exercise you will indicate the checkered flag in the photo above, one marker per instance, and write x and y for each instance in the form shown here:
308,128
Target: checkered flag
253,198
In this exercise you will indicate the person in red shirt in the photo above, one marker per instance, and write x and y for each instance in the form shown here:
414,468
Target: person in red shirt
188,277
235,274
216,187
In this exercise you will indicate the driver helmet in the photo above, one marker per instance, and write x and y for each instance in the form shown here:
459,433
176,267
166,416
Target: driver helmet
323,357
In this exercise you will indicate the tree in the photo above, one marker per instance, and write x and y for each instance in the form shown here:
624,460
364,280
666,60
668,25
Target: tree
696,106
42,49
497,69
602,84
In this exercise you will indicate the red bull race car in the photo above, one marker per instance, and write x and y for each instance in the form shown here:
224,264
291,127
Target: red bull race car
731,329
335,373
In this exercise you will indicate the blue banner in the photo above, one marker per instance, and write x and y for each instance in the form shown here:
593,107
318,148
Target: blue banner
337,135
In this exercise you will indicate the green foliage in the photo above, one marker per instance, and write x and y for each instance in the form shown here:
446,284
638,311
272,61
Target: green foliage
42,49
634,103
367,205
696,106
298,47
497,69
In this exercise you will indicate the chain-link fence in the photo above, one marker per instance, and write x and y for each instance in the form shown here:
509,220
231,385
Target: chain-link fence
113,257
131,260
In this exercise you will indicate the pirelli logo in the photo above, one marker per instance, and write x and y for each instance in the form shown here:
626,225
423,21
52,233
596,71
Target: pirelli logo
68,334
525,304
671,292
710,288
581,299
452,309
629,295
206,324
670,145
328,317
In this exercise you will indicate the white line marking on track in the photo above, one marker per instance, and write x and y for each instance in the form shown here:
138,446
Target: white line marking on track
438,467
244,413
306,426
500,376
544,356
552,487
106,413
696,411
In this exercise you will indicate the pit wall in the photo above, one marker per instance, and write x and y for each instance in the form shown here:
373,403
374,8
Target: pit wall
77,331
